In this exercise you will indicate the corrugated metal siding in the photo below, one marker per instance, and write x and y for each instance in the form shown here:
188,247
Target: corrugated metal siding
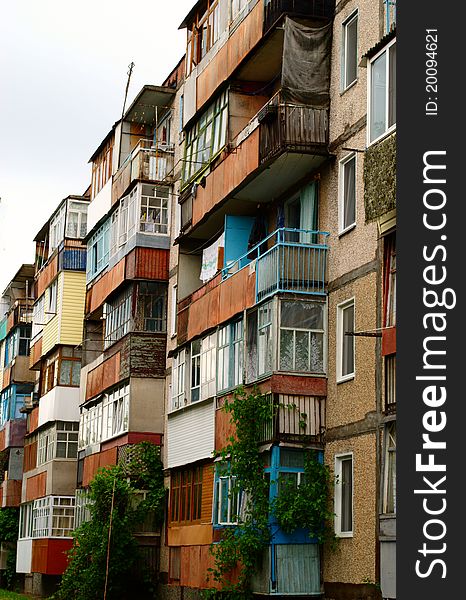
147,263
72,308
298,568
190,434
73,259
51,332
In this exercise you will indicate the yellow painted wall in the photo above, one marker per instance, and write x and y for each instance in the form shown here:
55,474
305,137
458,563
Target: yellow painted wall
71,311
50,335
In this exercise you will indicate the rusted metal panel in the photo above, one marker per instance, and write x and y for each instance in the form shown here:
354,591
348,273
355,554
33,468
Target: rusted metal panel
389,341
45,276
20,372
2,440
35,354
195,564
33,420
49,556
224,429
94,462
36,486
241,42
147,355
30,457
147,263
11,493
103,376
227,176
6,377
102,289
292,384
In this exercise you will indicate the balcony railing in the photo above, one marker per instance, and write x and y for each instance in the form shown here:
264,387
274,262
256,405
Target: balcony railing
295,418
286,127
275,9
288,260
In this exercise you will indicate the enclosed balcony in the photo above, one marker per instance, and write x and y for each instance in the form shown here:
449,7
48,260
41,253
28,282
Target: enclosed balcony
274,10
146,162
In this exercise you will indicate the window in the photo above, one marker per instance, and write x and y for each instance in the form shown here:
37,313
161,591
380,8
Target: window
98,251
237,6
344,495
12,401
58,441
118,316
178,380
154,210
115,409
151,311
349,59
347,193
82,513
90,425
76,220
102,168
38,317
259,342
57,228
389,479
195,370
61,368
208,370
173,310
382,93
389,280
17,343
302,337
53,516
345,343
390,384
25,520
186,495
230,356
52,300
228,500
206,137
204,31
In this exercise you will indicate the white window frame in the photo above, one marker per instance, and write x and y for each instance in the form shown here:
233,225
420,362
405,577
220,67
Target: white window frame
388,450
390,128
25,521
208,366
79,208
342,165
115,412
195,367
178,387
46,515
118,317
231,479
354,17
339,459
52,300
340,339
57,229
38,318
173,309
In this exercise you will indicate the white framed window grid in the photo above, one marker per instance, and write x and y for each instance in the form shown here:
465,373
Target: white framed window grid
347,196
344,495
349,54
381,95
346,355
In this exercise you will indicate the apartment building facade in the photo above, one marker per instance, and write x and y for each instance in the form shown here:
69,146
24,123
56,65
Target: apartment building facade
51,439
280,278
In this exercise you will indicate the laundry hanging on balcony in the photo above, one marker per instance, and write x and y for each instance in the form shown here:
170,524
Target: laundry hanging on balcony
210,259
306,64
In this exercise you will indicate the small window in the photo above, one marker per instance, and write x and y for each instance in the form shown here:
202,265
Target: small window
186,495
228,501
347,193
195,370
178,380
349,51
52,304
345,342
344,495
382,93
389,479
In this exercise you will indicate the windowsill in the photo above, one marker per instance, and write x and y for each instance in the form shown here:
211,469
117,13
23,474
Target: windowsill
347,230
190,405
384,135
345,535
346,378
348,87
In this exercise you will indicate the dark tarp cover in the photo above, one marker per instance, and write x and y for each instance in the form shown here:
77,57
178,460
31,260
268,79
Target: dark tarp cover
306,64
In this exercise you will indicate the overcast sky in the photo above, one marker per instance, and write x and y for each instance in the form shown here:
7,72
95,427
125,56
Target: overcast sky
63,72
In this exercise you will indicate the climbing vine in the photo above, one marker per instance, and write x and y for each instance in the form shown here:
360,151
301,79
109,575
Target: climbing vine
238,553
9,524
104,550
306,506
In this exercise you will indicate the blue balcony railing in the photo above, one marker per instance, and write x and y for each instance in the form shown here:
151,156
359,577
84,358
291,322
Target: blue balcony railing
287,260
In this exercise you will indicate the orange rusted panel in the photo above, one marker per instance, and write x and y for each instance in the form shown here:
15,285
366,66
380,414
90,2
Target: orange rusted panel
11,493
224,429
103,376
2,440
203,314
35,354
190,535
389,341
36,486
101,290
33,420
10,322
248,34
94,462
147,263
45,276
207,493
227,176
301,386
6,377
30,457
195,564
49,556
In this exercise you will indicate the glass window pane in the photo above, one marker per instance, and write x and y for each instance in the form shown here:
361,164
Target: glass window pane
351,52
65,372
286,350
378,97
347,495
348,341
392,86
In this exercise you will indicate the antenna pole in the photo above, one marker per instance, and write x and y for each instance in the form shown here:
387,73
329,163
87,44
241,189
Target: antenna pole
130,72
